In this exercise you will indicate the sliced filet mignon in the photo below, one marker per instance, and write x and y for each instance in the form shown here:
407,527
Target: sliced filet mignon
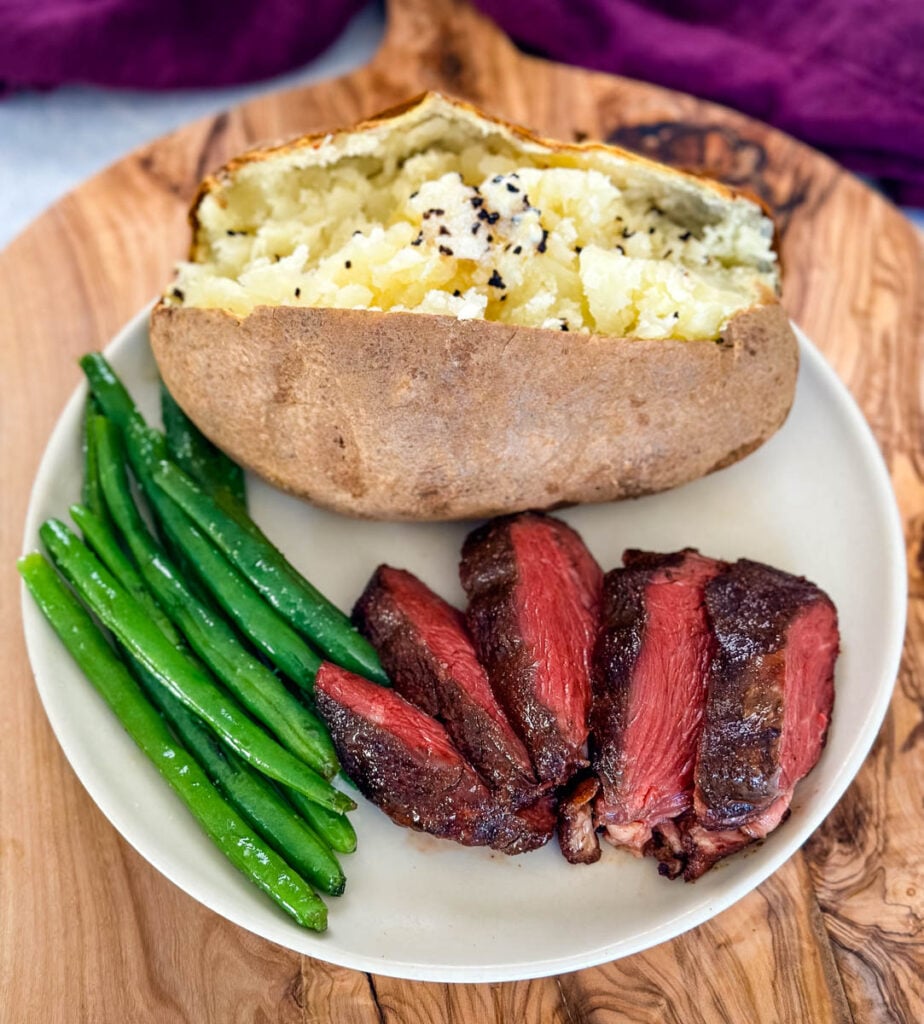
426,651
404,762
769,700
649,691
534,593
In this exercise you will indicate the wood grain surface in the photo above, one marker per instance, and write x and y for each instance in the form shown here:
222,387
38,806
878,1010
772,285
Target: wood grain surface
90,932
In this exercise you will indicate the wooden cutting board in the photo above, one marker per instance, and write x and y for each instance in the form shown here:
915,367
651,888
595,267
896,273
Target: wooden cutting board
90,932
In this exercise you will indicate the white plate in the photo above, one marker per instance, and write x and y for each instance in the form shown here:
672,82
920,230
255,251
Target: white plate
815,500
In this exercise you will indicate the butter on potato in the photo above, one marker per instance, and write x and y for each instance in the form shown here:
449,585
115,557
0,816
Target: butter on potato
435,315
453,216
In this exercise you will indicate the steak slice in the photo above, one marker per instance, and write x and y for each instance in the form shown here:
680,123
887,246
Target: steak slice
427,652
405,763
649,691
771,690
684,846
577,834
534,592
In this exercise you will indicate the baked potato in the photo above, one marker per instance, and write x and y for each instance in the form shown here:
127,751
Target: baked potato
435,315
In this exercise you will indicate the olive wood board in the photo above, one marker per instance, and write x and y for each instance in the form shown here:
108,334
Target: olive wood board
90,932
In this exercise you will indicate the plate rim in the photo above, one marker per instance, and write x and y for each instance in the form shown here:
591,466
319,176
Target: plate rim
786,846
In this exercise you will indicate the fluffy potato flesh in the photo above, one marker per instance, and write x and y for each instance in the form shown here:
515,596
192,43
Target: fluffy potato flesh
439,210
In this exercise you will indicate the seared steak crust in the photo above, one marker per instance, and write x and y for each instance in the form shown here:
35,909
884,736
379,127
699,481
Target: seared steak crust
404,762
685,847
409,665
577,835
752,609
426,650
533,594
619,643
771,688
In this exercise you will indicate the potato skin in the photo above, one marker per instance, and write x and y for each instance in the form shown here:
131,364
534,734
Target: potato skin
421,417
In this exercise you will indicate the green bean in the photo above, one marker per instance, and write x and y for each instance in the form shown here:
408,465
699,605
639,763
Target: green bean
114,400
119,408
266,567
195,454
335,829
210,637
98,535
257,800
90,494
236,841
264,627
245,546
127,620
253,616
151,446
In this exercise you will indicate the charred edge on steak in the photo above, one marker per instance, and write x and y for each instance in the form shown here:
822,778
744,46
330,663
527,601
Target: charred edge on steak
777,641
685,847
428,654
533,592
771,690
577,835
649,690
404,762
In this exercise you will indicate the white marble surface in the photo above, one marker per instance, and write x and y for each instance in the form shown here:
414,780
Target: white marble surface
51,141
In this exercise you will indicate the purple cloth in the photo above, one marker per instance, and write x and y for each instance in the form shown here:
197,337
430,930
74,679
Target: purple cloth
846,76
162,44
